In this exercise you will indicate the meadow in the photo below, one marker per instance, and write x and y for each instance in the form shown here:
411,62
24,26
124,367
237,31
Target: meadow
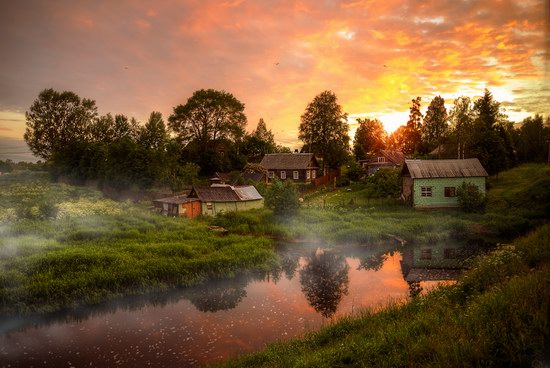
63,246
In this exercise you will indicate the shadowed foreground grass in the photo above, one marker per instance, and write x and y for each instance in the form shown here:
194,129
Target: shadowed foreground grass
497,315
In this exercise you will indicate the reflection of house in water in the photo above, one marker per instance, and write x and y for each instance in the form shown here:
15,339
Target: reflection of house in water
434,262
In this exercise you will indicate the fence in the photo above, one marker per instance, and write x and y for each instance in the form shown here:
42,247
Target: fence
329,178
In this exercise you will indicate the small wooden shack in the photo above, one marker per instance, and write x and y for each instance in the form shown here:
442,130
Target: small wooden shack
224,198
178,206
383,158
434,183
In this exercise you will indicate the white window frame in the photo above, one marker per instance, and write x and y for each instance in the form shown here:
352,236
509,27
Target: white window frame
381,159
295,175
283,175
270,174
308,174
313,174
426,192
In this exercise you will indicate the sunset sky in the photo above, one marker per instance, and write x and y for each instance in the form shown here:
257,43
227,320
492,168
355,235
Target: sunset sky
133,57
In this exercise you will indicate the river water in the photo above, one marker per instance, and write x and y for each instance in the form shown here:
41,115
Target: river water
313,287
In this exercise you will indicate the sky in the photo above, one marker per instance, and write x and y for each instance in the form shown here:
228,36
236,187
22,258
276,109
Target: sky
134,57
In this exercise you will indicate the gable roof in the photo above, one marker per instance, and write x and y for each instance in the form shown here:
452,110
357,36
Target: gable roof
397,157
289,161
226,193
179,199
419,169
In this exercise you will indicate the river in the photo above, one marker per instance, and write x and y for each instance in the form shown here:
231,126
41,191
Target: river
313,287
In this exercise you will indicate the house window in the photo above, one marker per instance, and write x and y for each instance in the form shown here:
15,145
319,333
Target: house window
283,175
270,174
450,253
308,174
426,253
313,174
295,175
381,159
208,205
450,192
425,191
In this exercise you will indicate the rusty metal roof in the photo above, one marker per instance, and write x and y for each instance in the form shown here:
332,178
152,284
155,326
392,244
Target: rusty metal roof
225,193
419,169
176,199
289,161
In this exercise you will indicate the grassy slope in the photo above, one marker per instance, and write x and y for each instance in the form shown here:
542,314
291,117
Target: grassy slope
498,315
96,249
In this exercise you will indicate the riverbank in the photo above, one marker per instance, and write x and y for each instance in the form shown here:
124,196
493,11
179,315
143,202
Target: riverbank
497,315
63,246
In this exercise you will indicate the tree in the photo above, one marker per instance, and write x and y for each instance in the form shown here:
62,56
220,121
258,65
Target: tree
397,140
370,137
324,130
154,135
435,126
207,117
470,198
282,198
56,119
260,142
461,118
532,141
488,143
413,129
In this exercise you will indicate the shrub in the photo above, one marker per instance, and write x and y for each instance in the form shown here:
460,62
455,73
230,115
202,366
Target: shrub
470,198
282,198
383,183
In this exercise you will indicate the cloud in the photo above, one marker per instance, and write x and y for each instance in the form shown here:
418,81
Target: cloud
133,57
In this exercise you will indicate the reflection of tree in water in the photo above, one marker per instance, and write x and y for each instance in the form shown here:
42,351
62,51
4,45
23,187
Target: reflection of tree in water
373,262
289,264
222,295
414,288
324,281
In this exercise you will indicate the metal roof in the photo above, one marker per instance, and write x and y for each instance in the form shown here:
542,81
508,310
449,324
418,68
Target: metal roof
420,169
247,193
226,193
289,161
175,199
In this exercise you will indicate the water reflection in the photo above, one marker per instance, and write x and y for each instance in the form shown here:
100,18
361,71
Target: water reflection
324,281
223,318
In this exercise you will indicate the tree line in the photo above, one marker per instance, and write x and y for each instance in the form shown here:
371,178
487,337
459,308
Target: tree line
470,129
207,135
203,136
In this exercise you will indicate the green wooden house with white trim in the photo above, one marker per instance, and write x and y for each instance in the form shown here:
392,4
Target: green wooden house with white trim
434,183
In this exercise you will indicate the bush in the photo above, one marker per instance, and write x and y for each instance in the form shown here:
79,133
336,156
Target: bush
342,181
282,198
470,198
383,183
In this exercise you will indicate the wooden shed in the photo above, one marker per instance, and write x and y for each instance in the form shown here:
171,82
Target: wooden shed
178,206
434,183
224,198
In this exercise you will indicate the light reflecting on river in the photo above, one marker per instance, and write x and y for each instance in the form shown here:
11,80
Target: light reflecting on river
222,319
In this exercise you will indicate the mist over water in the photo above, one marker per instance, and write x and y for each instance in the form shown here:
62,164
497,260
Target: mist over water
223,318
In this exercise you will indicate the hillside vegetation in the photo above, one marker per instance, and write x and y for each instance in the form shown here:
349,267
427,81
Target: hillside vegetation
497,315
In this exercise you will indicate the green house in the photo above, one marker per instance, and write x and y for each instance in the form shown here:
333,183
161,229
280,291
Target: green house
434,183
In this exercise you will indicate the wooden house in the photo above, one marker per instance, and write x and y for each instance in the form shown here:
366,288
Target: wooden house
224,198
383,158
178,206
434,183
299,167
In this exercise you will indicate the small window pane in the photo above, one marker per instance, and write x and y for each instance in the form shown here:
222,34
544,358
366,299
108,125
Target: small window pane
295,175
425,191
450,192
283,174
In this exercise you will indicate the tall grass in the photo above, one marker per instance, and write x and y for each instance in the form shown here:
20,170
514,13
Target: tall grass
98,249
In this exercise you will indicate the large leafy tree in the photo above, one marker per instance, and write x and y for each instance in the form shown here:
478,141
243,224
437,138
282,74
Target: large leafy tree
57,119
461,119
397,140
532,140
324,130
435,127
370,137
413,129
260,142
208,117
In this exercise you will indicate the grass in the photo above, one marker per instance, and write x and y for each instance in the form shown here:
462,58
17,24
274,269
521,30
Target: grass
93,249
497,315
